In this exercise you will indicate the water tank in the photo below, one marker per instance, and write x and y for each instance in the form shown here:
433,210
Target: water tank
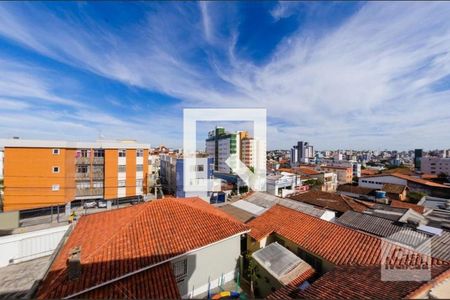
380,194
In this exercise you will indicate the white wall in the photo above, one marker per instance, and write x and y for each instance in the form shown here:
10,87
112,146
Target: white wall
26,246
378,182
212,262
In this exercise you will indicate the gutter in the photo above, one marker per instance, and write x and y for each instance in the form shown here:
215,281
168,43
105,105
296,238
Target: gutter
150,267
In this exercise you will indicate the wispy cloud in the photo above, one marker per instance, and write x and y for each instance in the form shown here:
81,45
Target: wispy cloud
374,73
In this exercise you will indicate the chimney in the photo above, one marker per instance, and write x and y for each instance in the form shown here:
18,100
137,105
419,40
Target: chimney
74,263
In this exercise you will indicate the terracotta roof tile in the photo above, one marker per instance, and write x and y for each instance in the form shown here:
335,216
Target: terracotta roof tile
400,204
354,282
332,242
121,241
330,201
290,290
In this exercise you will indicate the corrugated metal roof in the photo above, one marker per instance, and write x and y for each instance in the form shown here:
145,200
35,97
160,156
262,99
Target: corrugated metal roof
249,207
267,201
440,246
382,227
281,263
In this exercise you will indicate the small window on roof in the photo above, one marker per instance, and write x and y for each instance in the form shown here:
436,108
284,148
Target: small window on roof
55,151
55,170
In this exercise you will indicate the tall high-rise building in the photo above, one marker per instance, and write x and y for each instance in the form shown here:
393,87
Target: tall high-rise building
220,145
301,153
417,157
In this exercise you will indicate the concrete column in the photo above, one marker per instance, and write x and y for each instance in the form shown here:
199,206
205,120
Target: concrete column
108,204
67,209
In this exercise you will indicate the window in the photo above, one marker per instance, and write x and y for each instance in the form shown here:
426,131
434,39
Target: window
139,168
82,169
55,187
139,153
55,169
199,168
121,183
55,151
180,270
83,185
98,184
122,153
99,153
138,182
122,168
84,153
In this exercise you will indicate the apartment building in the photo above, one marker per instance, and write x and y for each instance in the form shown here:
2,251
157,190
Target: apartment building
172,174
435,165
344,174
301,153
40,173
220,145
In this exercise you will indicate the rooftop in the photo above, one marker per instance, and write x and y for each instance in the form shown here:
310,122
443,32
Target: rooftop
236,212
354,189
266,200
136,244
383,228
332,201
400,204
394,188
412,179
281,263
334,243
102,144
353,282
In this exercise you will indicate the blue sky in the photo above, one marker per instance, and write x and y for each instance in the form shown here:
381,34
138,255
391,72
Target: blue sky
340,75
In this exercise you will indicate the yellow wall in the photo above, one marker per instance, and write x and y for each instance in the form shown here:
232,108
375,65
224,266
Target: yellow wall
28,177
111,168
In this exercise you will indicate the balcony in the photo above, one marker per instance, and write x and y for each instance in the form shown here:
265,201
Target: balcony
97,192
82,176
87,160
83,161
98,161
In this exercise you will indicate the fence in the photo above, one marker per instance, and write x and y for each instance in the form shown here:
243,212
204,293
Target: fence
26,246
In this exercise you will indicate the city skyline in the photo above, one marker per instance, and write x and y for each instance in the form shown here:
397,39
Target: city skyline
327,73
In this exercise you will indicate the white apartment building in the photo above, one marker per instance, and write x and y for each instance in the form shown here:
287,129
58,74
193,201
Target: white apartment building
435,165
282,184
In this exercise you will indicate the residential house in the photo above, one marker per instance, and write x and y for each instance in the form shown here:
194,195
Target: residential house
344,174
331,201
415,184
282,184
164,249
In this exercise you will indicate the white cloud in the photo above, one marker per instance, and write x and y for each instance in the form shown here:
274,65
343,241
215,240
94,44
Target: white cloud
370,77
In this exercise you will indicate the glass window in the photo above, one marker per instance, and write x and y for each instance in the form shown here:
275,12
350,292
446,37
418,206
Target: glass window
99,153
139,168
122,168
139,153
138,182
122,153
83,185
55,169
98,184
55,187
82,169
55,151
84,153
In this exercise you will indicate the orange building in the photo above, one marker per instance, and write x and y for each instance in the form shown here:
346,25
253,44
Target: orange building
46,173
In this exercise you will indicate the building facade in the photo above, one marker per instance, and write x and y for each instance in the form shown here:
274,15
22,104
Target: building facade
220,145
172,175
301,153
435,165
46,173
344,174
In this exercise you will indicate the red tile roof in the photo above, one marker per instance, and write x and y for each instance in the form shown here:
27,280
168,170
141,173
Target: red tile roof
117,242
400,204
334,243
353,282
290,290
330,201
